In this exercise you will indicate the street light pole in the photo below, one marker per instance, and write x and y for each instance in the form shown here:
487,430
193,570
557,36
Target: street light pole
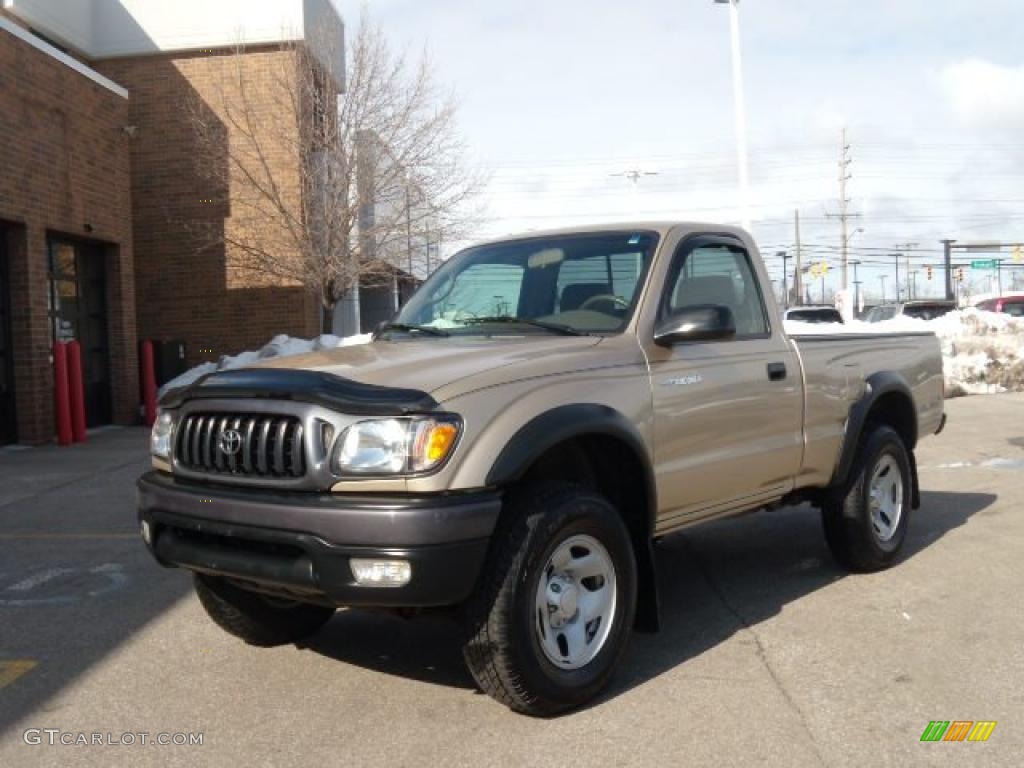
856,288
740,111
947,258
785,287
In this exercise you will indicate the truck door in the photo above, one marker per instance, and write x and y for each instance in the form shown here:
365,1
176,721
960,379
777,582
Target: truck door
727,413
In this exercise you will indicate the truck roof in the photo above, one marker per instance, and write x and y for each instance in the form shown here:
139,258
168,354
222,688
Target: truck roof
662,227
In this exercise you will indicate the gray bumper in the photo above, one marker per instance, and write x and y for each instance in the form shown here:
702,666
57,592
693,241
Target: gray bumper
365,520
300,544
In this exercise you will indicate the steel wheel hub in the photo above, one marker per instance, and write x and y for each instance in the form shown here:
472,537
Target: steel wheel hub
563,601
575,602
885,498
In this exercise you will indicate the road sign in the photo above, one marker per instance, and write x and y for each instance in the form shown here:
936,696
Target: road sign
984,264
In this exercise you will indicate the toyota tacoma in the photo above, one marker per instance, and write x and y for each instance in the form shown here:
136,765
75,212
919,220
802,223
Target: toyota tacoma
512,443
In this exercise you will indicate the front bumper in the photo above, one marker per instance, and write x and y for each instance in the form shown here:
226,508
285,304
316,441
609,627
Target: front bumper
299,544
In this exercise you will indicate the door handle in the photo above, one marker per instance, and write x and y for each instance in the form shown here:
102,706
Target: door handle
776,371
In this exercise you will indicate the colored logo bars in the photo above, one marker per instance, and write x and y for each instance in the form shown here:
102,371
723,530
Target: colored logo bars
958,730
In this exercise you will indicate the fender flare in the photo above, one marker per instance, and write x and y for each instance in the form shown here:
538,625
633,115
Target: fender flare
566,422
878,385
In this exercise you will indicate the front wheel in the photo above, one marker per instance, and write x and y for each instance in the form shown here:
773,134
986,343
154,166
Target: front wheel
258,619
866,527
550,619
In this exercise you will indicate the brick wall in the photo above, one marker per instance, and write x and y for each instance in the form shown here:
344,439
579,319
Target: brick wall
64,169
187,282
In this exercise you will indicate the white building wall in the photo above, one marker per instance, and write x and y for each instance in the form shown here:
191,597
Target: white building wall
100,29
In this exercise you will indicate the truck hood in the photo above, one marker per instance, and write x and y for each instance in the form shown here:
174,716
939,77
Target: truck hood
429,365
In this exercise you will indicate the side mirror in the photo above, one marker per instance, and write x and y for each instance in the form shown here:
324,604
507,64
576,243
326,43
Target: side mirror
701,322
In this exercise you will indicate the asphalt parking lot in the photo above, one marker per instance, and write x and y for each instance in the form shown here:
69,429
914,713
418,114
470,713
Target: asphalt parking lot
770,655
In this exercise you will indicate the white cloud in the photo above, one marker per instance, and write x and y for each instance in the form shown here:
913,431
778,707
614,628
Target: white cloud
983,93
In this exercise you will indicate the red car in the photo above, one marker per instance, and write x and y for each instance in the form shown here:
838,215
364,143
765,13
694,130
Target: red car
1011,305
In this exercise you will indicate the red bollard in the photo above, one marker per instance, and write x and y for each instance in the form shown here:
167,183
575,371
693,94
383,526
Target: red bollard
76,389
61,397
148,364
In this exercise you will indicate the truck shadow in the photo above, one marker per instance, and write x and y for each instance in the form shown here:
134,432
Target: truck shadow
716,579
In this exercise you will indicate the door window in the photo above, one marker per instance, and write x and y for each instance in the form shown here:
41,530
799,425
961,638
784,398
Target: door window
718,274
78,311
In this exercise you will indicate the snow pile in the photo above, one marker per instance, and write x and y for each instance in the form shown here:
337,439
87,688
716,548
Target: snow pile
279,346
982,352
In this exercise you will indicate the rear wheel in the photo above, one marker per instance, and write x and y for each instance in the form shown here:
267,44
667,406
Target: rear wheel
552,614
866,527
258,619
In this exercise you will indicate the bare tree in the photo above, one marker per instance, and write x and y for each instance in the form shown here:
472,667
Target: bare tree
328,191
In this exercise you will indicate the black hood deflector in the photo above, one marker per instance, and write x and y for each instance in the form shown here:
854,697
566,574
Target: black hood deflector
334,392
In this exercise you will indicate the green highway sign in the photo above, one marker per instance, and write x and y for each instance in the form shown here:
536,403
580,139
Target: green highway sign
984,264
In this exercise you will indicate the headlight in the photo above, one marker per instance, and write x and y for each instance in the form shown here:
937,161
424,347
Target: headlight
395,446
160,438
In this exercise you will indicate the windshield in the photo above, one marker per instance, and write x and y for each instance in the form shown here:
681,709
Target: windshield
927,311
587,283
815,315
878,314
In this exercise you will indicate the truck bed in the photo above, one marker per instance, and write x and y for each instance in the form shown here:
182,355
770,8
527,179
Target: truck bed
835,367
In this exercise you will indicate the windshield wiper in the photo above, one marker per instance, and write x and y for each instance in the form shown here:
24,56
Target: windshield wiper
409,328
565,330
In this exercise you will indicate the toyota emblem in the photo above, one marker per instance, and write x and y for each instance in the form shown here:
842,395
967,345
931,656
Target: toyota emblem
229,442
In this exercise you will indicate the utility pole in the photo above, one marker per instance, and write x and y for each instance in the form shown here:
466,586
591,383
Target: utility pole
844,214
785,286
856,288
897,256
797,275
881,279
999,276
905,248
913,284
947,246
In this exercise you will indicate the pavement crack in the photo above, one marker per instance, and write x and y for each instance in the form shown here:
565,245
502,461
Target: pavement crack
762,653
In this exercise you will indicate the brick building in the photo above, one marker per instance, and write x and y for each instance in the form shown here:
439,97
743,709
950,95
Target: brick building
99,189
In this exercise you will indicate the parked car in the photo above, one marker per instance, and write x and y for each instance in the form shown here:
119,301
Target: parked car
512,444
923,310
1010,305
814,314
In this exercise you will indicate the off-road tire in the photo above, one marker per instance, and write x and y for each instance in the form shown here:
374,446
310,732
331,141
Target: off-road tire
502,651
846,516
256,619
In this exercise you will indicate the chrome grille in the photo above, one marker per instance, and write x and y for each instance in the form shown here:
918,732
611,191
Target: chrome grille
268,444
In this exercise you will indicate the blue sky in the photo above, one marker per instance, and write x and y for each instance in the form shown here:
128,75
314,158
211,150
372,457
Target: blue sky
558,96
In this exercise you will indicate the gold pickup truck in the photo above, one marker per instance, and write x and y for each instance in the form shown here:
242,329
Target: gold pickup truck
538,413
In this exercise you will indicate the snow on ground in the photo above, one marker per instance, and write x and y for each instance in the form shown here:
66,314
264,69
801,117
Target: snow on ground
279,346
982,352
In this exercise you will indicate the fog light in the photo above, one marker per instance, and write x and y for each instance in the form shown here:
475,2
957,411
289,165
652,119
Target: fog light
381,573
146,535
